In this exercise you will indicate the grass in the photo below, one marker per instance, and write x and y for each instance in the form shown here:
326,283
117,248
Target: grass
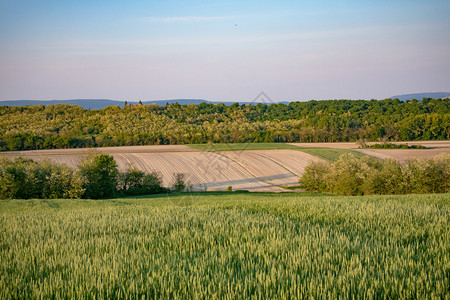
331,154
394,146
292,187
242,146
226,245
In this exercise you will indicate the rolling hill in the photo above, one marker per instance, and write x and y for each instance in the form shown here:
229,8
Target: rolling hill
420,96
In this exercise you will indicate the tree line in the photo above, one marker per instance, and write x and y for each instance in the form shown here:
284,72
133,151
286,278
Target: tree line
66,126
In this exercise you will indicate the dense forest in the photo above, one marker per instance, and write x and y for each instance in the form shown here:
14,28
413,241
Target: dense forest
66,126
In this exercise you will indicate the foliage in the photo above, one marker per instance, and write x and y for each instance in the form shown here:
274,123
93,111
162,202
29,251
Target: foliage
313,178
100,174
179,182
96,178
135,182
65,126
352,176
25,178
394,146
227,246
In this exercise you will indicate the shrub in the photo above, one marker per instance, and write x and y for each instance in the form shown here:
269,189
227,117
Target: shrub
135,182
442,162
179,183
392,178
96,178
428,175
99,172
345,176
393,146
62,182
313,178
10,179
352,176
24,178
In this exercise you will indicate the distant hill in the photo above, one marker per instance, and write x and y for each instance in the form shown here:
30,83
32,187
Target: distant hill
85,103
94,103
102,103
420,96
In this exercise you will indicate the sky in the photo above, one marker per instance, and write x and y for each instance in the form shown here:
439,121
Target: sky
222,50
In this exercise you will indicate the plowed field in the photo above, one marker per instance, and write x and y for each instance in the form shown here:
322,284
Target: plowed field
404,154
430,144
253,170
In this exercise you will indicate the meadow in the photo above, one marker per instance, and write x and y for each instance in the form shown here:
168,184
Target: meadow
226,245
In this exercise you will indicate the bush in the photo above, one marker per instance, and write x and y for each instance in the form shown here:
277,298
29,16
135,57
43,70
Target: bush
135,182
179,182
313,178
99,172
24,179
96,178
442,162
352,176
428,175
393,146
388,180
12,179
62,182
344,178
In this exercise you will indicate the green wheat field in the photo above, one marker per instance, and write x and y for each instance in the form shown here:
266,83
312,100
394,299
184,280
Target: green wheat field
228,246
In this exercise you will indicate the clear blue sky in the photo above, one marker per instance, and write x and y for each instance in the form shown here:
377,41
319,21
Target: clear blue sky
223,50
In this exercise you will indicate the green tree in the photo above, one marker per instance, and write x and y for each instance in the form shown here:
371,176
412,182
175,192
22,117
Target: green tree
24,178
135,182
179,182
100,174
313,178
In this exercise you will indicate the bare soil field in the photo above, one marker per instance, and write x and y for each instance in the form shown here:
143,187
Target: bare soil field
404,154
275,167
107,150
253,170
428,144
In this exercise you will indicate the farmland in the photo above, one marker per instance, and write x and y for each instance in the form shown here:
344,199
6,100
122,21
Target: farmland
260,167
404,154
235,245
211,169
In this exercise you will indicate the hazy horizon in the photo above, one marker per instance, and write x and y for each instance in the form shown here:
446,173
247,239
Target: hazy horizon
222,50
